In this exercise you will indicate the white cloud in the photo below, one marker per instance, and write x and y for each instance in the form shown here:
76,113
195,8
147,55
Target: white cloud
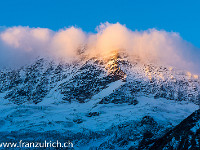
152,45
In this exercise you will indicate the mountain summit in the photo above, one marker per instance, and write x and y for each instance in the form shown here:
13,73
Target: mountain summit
107,103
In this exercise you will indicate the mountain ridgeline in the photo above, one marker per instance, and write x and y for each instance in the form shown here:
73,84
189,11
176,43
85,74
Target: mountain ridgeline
80,80
114,102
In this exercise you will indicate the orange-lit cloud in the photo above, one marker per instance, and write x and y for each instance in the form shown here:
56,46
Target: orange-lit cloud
151,45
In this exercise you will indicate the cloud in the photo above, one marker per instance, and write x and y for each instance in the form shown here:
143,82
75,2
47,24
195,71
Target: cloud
25,38
66,42
20,45
24,43
163,47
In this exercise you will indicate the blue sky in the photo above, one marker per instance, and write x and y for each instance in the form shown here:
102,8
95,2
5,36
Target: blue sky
179,16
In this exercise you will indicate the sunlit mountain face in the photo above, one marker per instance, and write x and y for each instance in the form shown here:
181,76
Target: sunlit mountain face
112,101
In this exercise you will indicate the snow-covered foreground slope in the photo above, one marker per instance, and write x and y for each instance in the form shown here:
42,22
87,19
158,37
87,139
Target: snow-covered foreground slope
51,115
60,116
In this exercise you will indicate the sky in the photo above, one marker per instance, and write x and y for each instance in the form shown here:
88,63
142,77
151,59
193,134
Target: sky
163,31
182,16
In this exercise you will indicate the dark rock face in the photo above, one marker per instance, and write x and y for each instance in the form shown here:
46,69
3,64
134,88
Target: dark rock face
90,114
78,121
186,135
33,85
91,80
121,95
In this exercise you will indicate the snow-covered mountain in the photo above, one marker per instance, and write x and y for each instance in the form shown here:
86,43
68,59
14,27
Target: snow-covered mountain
186,135
97,103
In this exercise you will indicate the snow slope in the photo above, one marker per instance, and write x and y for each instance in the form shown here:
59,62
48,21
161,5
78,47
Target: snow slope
47,115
